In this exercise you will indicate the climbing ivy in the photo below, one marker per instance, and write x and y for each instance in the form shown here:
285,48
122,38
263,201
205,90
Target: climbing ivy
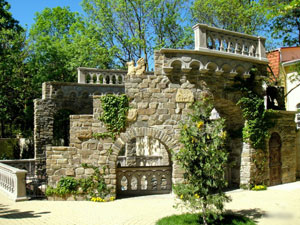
115,108
256,131
257,124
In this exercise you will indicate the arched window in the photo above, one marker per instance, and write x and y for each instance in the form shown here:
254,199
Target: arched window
298,116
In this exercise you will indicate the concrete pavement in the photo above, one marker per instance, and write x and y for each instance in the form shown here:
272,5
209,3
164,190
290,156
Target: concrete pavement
279,205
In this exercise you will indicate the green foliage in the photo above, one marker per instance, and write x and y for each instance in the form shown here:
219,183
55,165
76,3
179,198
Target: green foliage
195,219
8,148
285,20
15,89
115,108
257,124
135,28
65,186
60,41
256,131
203,158
92,187
236,15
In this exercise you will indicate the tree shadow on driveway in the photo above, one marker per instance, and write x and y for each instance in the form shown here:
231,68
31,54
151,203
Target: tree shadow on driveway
7,213
253,214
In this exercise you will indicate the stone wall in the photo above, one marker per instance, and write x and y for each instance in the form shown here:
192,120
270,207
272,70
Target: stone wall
158,103
84,149
285,127
57,96
298,153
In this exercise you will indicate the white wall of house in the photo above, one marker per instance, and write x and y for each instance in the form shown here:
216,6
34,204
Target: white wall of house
293,98
292,101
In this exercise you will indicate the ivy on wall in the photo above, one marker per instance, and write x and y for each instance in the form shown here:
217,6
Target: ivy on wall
256,131
256,128
115,108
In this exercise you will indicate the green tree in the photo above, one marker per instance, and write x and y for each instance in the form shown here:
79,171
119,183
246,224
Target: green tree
135,28
203,158
245,16
14,79
60,42
284,18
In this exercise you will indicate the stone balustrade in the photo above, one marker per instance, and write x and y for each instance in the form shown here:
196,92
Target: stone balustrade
144,180
99,76
12,182
229,42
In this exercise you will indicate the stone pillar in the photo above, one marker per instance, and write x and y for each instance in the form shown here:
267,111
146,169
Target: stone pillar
131,153
246,166
200,36
43,131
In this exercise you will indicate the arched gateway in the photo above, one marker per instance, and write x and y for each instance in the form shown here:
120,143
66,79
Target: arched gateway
144,164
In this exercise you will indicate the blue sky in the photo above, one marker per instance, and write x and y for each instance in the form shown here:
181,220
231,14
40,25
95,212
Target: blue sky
24,10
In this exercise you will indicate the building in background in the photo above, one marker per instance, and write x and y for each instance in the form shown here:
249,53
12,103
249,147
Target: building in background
285,63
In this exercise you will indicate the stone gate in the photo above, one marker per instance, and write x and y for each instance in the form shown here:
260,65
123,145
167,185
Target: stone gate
220,62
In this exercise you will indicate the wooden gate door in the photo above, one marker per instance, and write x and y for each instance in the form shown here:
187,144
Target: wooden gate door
275,159
144,180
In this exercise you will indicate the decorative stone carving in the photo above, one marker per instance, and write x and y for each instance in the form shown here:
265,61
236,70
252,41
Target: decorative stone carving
184,95
140,68
131,68
132,115
137,71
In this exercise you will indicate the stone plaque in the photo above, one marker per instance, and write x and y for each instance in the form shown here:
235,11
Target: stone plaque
184,95
132,114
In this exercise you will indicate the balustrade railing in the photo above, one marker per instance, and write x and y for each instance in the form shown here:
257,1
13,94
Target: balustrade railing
22,164
144,180
12,182
98,76
225,41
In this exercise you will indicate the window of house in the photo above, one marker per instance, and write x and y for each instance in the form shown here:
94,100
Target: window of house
298,116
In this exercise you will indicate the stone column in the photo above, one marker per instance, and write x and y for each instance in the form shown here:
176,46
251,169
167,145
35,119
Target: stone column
131,153
43,131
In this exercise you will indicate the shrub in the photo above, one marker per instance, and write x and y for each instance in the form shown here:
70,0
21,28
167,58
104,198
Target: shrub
203,158
93,187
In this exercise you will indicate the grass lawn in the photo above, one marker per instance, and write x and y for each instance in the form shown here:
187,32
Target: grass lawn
194,219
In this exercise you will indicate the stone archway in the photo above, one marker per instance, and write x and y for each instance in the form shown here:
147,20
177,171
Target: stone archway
275,159
144,174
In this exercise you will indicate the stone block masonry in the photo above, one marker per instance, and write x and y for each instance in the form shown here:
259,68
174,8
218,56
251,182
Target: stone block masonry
158,103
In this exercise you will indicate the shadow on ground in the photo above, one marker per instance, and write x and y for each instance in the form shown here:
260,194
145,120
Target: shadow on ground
7,213
253,214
